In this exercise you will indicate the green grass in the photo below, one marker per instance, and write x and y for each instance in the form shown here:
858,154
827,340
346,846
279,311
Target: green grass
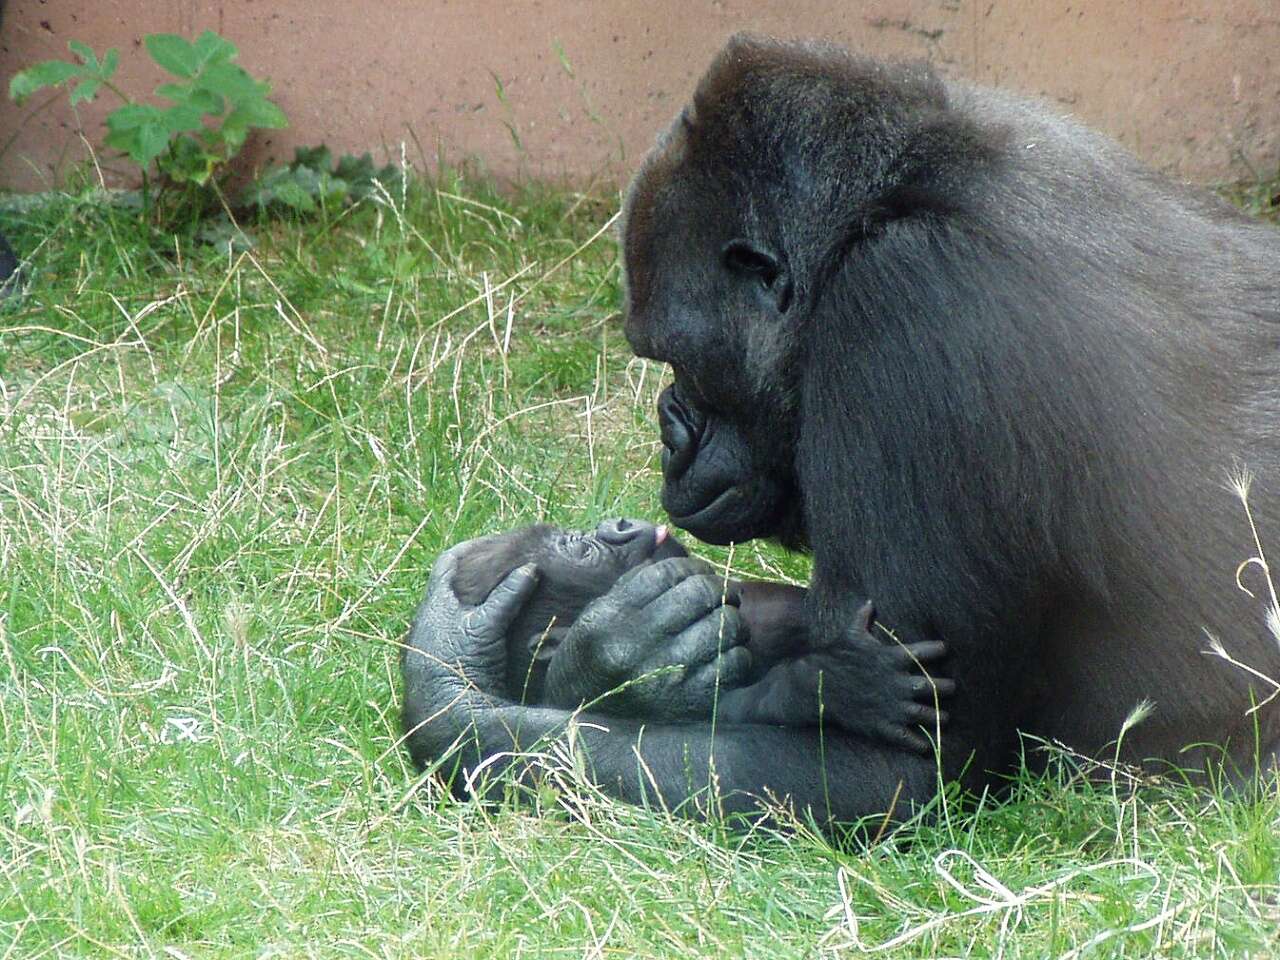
222,482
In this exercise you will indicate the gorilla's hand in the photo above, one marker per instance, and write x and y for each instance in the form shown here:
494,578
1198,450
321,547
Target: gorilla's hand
657,644
454,647
870,685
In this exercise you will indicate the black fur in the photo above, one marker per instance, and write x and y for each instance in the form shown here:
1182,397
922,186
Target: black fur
460,704
729,640
1011,374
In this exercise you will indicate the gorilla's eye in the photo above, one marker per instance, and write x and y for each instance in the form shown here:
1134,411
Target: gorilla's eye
577,547
745,258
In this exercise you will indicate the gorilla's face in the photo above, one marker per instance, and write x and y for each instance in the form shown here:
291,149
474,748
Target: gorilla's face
574,567
711,484
708,294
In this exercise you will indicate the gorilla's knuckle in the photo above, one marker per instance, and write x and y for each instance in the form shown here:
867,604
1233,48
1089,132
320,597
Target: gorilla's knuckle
705,589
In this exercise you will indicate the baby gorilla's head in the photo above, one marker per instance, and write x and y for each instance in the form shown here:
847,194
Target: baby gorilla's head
573,569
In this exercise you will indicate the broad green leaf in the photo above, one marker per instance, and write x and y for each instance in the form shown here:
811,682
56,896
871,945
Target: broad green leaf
182,117
124,139
202,100
153,140
49,73
208,102
231,81
85,52
294,195
85,91
232,133
132,115
259,113
110,60
281,186
211,48
141,130
177,92
189,95
173,53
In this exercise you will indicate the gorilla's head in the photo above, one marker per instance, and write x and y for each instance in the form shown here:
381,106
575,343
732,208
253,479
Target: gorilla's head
574,567
788,158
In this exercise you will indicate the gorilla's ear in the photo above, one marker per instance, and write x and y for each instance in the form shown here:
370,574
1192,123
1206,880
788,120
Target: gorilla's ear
544,644
484,565
749,259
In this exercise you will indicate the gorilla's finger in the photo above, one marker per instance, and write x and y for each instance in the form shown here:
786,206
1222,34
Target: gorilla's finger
728,671
638,587
713,634
442,570
926,652
734,666
690,600
925,715
927,687
915,743
493,618
863,618
906,740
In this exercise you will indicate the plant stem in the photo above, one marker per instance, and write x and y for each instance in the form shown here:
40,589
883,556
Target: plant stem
117,91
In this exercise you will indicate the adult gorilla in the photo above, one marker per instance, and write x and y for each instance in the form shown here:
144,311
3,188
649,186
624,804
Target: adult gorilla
993,371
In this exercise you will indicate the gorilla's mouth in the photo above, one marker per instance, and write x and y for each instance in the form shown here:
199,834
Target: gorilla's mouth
665,545
710,514
738,513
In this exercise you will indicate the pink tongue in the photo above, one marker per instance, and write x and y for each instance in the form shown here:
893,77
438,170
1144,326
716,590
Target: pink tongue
659,534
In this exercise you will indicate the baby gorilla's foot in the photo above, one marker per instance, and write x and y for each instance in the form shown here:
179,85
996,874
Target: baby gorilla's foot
895,696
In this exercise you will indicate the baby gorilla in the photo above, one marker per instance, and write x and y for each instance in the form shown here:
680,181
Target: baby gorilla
735,649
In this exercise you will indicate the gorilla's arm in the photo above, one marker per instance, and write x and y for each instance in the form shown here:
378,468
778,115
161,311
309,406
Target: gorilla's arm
454,655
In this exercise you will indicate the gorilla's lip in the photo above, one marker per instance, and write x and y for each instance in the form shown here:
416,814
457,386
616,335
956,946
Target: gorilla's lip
687,521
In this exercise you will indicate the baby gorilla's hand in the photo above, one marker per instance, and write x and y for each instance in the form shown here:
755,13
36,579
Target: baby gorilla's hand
654,646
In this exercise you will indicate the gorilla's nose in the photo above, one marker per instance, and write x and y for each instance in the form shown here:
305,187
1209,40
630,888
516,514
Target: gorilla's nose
622,530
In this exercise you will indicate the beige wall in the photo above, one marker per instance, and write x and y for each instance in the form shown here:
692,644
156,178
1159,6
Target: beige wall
1191,85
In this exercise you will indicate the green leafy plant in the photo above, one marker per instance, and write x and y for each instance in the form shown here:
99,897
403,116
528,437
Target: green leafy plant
312,181
210,108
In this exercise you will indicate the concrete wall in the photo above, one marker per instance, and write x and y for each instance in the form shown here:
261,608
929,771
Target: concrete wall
1191,85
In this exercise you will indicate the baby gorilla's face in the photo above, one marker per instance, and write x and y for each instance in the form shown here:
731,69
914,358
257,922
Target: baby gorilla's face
574,567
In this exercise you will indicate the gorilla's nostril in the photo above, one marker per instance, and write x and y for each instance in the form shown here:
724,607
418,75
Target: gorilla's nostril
619,531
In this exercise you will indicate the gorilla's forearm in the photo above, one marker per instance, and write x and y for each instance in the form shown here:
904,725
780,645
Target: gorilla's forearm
776,620
836,777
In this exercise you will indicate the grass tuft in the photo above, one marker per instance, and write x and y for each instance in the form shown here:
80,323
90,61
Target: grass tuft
223,479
